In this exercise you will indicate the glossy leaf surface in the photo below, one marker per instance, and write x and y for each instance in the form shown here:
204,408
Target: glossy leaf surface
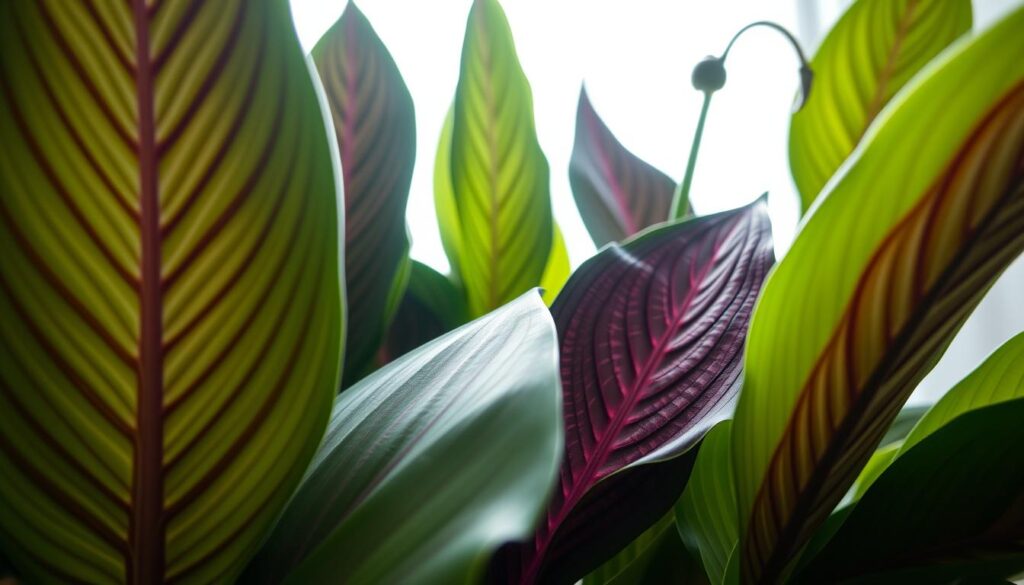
616,193
376,132
430,307
499,176
650,334
868,56
706,514
884,271
958,496
169,284
406,486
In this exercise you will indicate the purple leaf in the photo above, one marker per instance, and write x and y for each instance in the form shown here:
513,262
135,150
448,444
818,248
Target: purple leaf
651,336
617,194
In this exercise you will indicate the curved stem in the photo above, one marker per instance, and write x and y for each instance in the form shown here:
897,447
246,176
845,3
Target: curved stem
772,25
681,200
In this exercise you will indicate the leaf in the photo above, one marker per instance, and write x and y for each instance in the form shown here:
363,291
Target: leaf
170,287
557,270
879,461
650,334
870,54
444,195
901,425
499,175
884,271
959,498
431,307
656,556
376,131
999,378
706,513
617,194
405,486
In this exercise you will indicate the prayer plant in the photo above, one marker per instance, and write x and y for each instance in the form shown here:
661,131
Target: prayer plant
218,362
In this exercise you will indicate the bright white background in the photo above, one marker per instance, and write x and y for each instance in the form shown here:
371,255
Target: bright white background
635,58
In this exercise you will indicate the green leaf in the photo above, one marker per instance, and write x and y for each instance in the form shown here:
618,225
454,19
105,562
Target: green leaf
999,378
958,496
656,556
870,54
904,421
431,307
444,195
878,463
706,513
432,462
557,271
499,176
376,132
172,305
883,272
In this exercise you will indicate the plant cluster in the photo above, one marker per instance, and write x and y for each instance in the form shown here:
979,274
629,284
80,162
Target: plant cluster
218,362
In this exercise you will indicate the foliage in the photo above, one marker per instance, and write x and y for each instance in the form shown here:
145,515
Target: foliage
205,244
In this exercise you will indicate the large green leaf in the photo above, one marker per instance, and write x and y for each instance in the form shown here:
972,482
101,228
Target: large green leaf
999,378
870,54
431,307
499,176
706,513
951,506
376,131
170,287
885,269
557,270
432,462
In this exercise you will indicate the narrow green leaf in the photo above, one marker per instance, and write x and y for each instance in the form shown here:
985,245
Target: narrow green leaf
430,463
950,507
173,308
885,269
499,176
879,461
431,307
376,132
706,514
870,54
557,271
444,195
903,423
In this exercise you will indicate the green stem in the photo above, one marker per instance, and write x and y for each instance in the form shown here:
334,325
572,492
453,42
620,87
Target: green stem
681,201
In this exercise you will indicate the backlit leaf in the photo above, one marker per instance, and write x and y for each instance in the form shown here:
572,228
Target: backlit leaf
499,176
557,270
376,132
869,55
885,269
170,285
431,462
616,193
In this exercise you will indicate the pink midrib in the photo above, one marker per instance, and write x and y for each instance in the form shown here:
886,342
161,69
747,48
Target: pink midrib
589,476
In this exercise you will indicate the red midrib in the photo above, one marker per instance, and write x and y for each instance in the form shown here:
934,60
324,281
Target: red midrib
145,563
601,452
626,214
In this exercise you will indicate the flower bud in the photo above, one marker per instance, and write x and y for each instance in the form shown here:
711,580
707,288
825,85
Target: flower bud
709,75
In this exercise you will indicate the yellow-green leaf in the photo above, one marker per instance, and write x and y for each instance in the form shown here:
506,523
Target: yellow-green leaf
170,286
499,175
885,269
870,54
557,270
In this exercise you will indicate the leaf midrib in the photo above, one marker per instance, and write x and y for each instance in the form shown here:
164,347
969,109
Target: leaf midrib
145,562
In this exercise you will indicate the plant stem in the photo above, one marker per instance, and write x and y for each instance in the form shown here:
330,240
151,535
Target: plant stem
681,200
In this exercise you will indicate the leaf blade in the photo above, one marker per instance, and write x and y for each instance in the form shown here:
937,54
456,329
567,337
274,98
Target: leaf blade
375,126
379,503
912,178
872,52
